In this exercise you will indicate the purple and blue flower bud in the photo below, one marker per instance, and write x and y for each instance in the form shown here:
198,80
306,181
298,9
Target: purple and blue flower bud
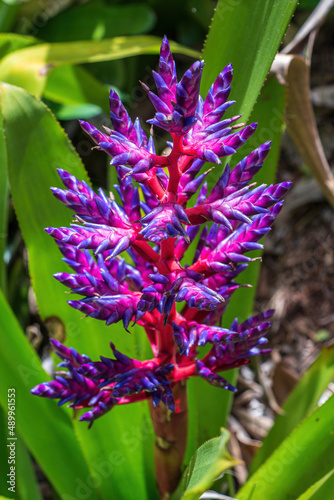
177,304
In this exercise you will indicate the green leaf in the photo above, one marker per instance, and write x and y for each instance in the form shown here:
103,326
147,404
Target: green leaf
46,430
27,486
208,463
321,490
203,423
65,85
9,42
37,145
248,35
3,451
302,459
299,404
95,21
29,68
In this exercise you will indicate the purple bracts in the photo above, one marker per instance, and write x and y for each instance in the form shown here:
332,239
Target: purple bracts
177,302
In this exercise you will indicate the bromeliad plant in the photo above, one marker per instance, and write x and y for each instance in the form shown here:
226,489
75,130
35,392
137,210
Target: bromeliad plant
153,227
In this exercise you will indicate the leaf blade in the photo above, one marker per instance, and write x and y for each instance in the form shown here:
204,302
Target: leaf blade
299,404
320,490
300,460
210,461
256,28
29,68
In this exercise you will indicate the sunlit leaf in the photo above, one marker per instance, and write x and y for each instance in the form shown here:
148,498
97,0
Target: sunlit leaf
29,68
321,490
3,450
248,35
302,400
301,460
207,464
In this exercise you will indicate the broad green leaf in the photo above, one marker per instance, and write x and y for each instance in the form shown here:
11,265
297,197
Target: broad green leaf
25,477
301,460
95,21
65,85
207,464
3,450
46,430
299,404
203,422
321,490
9,42
37,145
248,35
29,68
27,486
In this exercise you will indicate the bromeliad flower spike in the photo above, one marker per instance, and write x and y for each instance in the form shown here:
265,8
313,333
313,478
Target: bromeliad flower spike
178,305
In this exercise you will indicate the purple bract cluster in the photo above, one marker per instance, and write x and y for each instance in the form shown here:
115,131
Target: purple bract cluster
154,226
